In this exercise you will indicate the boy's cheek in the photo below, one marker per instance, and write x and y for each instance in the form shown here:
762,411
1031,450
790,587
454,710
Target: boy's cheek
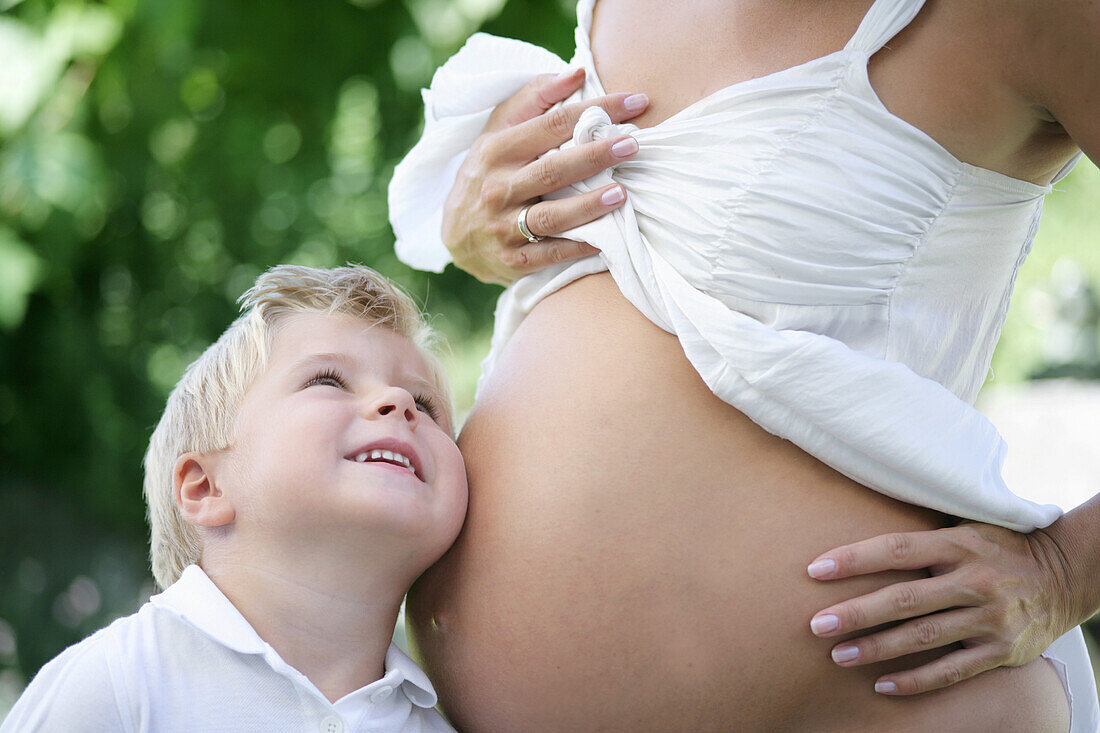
457,519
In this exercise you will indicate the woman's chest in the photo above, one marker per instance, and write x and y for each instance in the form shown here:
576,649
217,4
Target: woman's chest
948,72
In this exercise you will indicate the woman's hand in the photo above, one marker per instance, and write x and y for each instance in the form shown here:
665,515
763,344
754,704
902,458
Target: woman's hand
1003,595
503,173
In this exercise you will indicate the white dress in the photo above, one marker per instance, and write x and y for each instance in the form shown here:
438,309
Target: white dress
830,270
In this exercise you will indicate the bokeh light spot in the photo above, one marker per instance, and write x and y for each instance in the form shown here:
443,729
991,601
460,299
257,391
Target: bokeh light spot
171,142
278,212
202,93
162,214
165,365
411,62
7,642
20,272
281,142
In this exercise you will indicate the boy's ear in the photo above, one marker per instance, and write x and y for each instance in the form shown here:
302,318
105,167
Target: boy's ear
197,494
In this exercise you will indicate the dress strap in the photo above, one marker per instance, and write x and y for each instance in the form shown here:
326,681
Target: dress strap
883,21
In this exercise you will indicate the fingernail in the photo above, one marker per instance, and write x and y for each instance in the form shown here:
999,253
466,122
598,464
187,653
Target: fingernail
612,196
821,568
636,102
845,653
824,624
625,147
885,687
567,74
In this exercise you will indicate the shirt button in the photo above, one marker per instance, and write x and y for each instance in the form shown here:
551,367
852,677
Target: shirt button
381,694
332,724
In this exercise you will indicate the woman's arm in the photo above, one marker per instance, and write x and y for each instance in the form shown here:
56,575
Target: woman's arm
1064,80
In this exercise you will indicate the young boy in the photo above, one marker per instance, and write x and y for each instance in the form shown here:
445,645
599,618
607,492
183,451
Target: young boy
302,476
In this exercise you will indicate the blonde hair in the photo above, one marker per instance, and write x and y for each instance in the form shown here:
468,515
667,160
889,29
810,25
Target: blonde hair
201,411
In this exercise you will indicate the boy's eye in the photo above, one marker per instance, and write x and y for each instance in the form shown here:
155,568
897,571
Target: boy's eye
329,377
428,405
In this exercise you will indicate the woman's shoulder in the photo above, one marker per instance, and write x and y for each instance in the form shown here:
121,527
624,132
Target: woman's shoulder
980,80
1058,44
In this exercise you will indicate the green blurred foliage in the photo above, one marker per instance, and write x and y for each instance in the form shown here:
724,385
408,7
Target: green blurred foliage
1051,329
155,156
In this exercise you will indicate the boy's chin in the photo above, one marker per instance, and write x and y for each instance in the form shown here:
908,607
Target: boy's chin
413,534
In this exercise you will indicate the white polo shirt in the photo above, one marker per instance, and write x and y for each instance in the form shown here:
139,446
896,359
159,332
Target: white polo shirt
188,661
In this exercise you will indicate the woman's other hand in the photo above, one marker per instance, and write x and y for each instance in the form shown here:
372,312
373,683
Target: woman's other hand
503,173
1002,594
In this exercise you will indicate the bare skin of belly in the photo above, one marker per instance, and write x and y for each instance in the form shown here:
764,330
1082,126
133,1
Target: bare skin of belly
634,557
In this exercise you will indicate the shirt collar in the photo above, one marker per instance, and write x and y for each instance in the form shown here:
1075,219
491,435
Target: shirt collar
195,599
416,685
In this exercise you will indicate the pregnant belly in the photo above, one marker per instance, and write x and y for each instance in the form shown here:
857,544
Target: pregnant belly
635,549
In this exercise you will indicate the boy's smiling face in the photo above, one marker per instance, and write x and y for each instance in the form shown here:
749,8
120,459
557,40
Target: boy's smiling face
343,438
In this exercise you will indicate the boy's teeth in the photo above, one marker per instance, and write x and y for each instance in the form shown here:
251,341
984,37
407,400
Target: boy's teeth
384,455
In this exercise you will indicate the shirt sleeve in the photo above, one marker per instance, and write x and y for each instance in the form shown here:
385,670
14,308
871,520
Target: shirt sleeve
73,692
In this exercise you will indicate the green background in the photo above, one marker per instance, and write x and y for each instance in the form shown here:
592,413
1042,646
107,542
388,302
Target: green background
156,156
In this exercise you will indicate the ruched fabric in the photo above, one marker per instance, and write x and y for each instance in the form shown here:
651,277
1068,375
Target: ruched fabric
724,254
830,270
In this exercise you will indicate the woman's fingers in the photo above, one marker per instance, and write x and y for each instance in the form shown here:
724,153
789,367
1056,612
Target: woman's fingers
947,670
917,635
896,551
995,589
569,166
892,603
550,251
536,96
528,140
547,218
515,258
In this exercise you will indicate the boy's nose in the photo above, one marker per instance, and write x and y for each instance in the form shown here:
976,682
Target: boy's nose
397,401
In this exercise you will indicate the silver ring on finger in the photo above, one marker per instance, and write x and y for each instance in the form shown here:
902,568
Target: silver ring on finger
521,222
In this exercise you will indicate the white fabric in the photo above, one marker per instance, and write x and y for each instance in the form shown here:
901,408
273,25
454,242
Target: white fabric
188,661
1070,657
832,311
830,270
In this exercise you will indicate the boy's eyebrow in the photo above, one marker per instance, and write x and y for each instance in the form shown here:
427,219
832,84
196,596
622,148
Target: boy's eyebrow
423,384
322,358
